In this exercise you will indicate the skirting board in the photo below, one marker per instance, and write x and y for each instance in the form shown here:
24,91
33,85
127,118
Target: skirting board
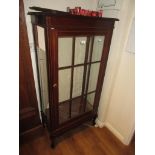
115,132
101,124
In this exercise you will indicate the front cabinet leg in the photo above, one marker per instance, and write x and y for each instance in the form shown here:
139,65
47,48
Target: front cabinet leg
93,120
53,138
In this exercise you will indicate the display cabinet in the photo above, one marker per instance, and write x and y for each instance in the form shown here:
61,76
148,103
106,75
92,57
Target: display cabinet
71,54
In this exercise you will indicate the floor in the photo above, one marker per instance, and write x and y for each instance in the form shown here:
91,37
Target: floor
86,140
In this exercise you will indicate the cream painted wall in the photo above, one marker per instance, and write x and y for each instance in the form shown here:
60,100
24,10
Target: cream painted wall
116,109
120,113
113,10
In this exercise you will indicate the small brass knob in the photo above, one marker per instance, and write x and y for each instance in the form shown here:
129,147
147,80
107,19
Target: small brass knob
54,85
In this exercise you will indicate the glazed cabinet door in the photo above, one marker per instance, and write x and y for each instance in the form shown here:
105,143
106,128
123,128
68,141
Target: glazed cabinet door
79,59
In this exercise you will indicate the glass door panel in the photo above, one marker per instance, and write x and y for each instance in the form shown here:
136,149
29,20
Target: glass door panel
80,48
93,77
64,94
97,48
65,51
63,112
77,81
64,84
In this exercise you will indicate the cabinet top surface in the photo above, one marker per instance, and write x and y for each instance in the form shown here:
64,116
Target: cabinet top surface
55,13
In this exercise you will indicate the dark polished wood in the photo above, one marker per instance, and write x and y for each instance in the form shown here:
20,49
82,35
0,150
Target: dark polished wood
69,21
77,65
80,141
29,121
60,24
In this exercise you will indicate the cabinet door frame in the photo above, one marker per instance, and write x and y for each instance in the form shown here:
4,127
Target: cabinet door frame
51,36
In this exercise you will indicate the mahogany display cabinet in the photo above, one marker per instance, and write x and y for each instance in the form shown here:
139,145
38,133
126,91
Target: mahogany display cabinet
71,54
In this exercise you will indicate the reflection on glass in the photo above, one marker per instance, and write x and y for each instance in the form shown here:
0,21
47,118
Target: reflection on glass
65,51
94,70
80,48
44,83
63,112
97,48
88,102
64,84
77,81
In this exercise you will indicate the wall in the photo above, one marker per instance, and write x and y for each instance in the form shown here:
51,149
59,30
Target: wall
116,109
120,113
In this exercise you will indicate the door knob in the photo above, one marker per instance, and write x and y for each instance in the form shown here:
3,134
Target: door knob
54,85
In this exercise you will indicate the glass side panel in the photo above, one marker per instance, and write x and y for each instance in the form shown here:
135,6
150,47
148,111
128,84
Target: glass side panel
80,48
77,81
64,84
64,94
44,83
97,48
65,51
41,63
75,109
41,38
94,71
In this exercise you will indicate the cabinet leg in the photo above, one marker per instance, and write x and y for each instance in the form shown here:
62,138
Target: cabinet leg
93,121
52,142
43,119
